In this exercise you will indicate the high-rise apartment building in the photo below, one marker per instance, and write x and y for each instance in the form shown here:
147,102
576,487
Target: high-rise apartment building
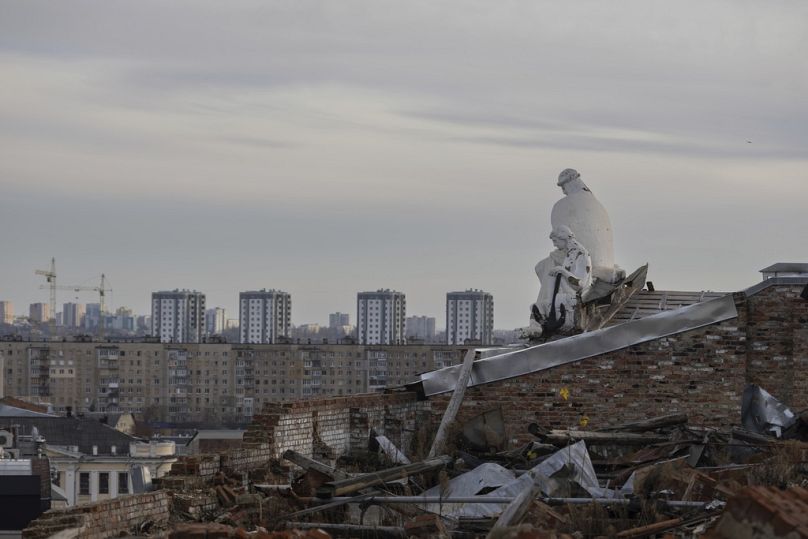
6,312
469,317
39,312
380,317
178,316
92,316
421,327
215,321
337,320
265,316
72,315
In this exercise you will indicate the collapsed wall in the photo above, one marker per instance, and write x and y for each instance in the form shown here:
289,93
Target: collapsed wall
119,516
333,427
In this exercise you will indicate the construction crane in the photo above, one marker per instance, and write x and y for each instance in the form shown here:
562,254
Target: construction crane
102,291
50,277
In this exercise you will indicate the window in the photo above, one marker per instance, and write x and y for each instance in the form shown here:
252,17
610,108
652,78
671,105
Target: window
103,483
123,482
84,483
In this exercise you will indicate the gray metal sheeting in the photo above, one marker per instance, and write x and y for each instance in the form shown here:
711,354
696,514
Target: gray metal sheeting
578,347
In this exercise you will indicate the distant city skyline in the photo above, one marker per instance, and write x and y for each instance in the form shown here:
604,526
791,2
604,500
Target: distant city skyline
413,145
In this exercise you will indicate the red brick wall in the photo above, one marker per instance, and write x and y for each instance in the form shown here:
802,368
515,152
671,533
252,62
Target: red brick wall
778,343
701,372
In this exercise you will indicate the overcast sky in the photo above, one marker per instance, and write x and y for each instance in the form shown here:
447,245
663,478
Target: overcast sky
329,147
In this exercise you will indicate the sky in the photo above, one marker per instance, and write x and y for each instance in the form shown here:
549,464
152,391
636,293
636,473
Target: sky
323,148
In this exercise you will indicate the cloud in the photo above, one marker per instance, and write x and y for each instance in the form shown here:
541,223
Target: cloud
325,147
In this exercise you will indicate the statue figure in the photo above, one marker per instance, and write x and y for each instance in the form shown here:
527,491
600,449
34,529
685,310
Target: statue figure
564,275
587,219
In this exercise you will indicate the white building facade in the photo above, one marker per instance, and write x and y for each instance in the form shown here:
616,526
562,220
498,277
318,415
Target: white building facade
265,316
178,316
381,317
469,317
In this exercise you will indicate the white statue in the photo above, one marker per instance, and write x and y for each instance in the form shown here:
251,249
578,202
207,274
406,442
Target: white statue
564,276
587,218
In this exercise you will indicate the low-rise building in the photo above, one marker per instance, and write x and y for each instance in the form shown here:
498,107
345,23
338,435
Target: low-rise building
89,461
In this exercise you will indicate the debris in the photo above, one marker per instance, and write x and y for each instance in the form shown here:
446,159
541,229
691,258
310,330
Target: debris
485,431
354,484
764,414
517,509
351,530
765,512
391,451
564,437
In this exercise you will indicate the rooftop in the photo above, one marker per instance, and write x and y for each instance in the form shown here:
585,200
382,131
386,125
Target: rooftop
786,267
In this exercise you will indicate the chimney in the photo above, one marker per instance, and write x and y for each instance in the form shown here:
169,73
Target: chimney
95,450
114,450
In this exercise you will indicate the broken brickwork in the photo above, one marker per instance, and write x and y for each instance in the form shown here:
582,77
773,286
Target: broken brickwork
338,426
119,516
701,373
205,467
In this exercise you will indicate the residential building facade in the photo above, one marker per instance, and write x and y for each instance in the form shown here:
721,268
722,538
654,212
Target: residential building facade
381,317
469,317
215,321
178,316
265,316
337,320
421,328
209,383
73,315
39,312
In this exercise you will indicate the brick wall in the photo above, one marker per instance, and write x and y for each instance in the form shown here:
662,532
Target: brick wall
701,372
338,426
110,518
204,467
777,333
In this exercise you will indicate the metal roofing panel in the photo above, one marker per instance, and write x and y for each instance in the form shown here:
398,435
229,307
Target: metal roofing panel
578,347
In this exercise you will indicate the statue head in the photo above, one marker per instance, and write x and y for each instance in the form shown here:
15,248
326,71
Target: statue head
561,237
570,181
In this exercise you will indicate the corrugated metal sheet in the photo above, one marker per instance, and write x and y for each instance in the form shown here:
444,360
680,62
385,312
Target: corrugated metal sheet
578,347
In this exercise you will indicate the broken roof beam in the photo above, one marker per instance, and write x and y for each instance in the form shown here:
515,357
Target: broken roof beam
310,464
516,510
350,530
650,424
439,443
560,437
360,482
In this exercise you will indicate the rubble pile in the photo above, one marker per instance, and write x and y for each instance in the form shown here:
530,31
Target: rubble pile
661,477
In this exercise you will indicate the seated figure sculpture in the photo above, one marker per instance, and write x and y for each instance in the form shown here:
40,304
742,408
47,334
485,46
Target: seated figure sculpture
564,276
587,218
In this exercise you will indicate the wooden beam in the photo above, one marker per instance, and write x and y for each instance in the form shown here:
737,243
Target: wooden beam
564,437
517,509
650,424
439,443
310,464
363,481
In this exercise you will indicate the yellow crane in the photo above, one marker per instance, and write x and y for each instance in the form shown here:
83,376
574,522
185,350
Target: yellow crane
101,289
50,277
